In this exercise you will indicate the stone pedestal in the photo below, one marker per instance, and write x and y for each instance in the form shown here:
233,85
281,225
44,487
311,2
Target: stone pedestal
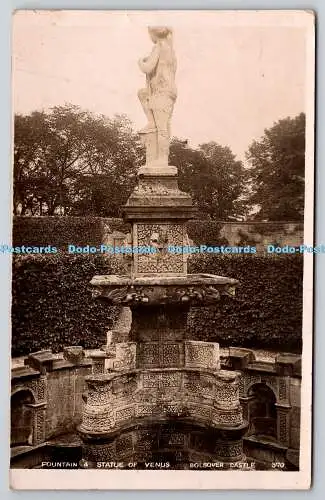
158,212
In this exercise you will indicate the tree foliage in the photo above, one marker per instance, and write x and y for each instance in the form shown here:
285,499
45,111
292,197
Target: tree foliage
213,177
52,306
72,162
277,168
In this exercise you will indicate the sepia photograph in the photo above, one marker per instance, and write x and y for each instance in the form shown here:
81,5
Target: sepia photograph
162,249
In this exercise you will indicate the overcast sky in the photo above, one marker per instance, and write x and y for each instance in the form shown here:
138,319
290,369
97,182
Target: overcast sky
236,74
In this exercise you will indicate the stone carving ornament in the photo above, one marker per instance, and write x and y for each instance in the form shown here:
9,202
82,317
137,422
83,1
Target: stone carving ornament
37,386
229,451
101,422
160,237
129,294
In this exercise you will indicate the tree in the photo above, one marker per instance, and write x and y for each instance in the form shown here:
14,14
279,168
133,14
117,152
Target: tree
29,176
73,162
113,156
277,170
213,177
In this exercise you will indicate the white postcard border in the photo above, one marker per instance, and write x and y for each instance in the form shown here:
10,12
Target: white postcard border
32,479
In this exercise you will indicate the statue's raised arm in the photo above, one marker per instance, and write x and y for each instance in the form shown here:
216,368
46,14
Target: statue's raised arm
148,64
159,96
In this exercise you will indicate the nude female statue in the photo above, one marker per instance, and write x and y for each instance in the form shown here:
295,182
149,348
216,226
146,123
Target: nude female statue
159,96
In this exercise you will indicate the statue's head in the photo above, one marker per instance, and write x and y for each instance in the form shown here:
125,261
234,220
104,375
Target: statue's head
159,32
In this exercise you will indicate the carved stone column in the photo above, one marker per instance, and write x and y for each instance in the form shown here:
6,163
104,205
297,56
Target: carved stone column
98,362
159,332
98,412
283,424
245,404
38,410
227,409
228,418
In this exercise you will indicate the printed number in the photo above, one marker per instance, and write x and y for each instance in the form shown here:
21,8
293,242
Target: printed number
277,465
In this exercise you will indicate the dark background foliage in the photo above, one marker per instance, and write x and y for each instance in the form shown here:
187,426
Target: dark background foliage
57,231
277,171
62,231
52,306
267,309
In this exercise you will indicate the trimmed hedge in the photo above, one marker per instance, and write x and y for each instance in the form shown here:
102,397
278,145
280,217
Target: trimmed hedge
82,231
52,306
206,232
62,231
266,311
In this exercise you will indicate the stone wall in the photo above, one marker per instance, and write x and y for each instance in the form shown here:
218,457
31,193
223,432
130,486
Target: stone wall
65,387
56,387
260,234
282,375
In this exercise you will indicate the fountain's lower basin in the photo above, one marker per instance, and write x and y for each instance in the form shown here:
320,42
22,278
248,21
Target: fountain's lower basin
172,442
162,378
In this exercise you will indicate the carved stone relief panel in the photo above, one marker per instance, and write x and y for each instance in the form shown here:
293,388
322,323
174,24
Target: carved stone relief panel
159,355
160,237
227,394
102,420
124,414
38,386
230,418
98,366
150,380
250,380
99,395
99,452
125,356
283,425
229,451
200,411
148,355
199,385
202,355
170,380
39,423
145,410
284,389
170,354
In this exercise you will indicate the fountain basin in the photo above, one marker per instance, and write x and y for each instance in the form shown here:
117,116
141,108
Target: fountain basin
191,289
